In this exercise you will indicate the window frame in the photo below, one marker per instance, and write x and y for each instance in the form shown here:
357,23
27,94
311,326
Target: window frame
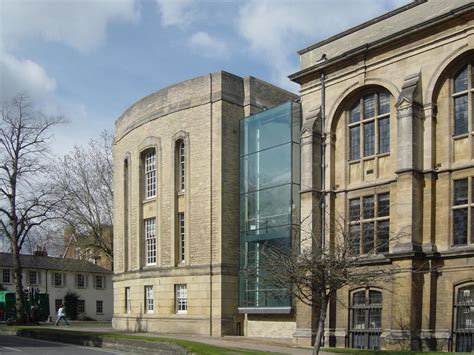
151,247
128,300
150,174
181,298
55,279
99,285
468,206
149,299
78,276
375,217
83,306
469,94
362,122
30,273
180,166
8,279
462,335
99,310
181,238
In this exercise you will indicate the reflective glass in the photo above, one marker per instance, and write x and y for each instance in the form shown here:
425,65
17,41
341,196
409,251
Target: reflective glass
368,231
369,106
384,103
460,192
460,81
354,133
383,201
384,135
460,226
368,207
369,139
382,236
266,168
354,115
354,209
460,115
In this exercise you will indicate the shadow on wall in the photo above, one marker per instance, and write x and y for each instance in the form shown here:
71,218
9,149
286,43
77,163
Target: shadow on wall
138,324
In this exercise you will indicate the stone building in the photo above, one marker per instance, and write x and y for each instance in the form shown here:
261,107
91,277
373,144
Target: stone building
176,202
395,96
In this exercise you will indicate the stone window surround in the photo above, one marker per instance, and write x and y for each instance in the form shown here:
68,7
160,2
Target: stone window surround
469,206
149,299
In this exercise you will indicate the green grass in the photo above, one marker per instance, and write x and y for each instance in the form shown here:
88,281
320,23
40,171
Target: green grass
382,352
192,346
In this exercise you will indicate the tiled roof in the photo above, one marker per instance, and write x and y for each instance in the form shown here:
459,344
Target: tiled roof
52,263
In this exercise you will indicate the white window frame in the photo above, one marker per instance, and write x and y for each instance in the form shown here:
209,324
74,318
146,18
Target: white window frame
181,238
55,284
150,241
150,173
128,300
78,277
180,165
36,277
149,304
99,285
181,298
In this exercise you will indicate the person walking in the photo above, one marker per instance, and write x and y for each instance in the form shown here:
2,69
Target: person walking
61,315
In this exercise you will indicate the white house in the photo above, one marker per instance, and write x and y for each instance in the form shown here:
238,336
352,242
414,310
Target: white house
58,276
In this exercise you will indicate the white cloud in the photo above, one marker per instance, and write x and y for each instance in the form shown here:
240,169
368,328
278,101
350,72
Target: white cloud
23,75
176,12
208,46
80,24
272,28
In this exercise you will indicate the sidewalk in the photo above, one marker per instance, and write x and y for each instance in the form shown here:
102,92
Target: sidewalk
277,345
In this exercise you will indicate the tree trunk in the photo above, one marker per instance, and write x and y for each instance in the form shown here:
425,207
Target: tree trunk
322,319
18,280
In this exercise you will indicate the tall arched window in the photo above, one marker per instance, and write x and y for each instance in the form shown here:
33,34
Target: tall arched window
464,319
369,126
149,163
366,319
180,168
463,90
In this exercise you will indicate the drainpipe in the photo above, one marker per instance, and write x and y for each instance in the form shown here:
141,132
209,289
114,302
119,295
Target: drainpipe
323,159
210,204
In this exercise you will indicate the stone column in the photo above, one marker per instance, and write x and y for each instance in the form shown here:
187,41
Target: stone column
311,138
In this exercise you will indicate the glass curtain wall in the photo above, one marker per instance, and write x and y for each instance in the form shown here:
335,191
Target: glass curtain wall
269,196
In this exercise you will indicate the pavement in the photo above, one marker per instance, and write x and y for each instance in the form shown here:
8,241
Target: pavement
11,344
273,345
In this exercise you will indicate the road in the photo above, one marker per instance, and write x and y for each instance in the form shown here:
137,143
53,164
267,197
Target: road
10,344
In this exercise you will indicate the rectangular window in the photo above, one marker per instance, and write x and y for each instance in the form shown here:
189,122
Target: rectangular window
128,300
81,306
57,304
354,241
383,209
382,236
150,174
181,166
150,241
354,136
368,230
354,209
33,277
384,135
460,114
181,292
99,307
149,299
58,279
6,276
99,281
369,106
181,245
369,139
384,103
460,226
368,205
460,192
80,281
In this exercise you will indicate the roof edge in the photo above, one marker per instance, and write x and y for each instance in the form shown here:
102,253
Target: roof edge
362,25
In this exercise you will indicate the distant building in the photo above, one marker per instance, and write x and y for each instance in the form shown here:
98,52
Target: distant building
58,276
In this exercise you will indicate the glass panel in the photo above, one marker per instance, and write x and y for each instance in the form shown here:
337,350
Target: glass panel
369,106
383,205
358,319
375,319
384,135
354,239
384,103
368,230
358,299
466,295
266,168
383,236
460,192
369,139
460,115
354,115
266,208
354,209
354,133
375,298
460,226
460,81
266,129
368,205
266,234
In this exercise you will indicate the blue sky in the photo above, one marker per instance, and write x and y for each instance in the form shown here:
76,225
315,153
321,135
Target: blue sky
89,60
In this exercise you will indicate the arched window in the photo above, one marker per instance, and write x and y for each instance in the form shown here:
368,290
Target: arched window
369,126
462,94
149,163
366,319
464,319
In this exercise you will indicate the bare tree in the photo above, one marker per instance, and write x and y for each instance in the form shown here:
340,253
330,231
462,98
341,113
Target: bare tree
313,271
26,199
84,177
